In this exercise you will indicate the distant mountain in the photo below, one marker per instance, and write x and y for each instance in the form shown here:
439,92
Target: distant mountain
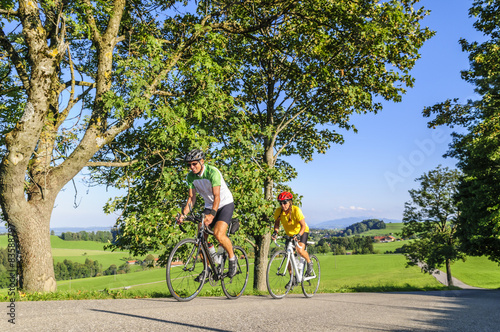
344,222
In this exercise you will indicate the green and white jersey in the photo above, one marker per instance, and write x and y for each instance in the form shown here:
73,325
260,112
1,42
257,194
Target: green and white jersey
203,183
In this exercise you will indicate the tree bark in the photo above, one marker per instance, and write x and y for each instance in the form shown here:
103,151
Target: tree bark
448,272
30,222
36,265
261,259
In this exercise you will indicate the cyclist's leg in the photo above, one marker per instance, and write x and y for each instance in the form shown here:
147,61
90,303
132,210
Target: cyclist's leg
301,250
301,247
220,233
222,220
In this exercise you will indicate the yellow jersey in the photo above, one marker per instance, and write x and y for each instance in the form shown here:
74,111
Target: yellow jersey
290,222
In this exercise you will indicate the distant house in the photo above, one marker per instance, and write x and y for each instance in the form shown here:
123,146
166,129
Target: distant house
132,262
384,238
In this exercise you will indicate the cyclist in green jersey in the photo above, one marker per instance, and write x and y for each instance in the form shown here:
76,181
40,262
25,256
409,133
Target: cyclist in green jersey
219,205
293,222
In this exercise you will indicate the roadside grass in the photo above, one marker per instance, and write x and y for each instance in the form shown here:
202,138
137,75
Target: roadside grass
478,272
374,273
339,273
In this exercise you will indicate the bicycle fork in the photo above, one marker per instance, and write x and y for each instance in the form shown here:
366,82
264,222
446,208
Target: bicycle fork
290,259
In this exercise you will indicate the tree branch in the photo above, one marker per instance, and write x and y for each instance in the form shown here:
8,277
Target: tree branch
70,83
96,34
15,58
9,12
110,163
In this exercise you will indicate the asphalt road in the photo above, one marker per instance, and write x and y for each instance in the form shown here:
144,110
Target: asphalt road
463,310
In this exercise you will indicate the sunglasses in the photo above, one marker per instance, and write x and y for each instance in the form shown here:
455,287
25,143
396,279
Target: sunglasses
193,163
284,202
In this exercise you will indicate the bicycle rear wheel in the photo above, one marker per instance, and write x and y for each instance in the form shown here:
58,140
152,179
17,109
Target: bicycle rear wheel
277,276
235,286
185,266
310,283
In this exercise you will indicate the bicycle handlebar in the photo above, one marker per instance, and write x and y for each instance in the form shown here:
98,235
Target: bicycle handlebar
196,219
290,238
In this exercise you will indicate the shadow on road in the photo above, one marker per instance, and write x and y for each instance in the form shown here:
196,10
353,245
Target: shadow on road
205,328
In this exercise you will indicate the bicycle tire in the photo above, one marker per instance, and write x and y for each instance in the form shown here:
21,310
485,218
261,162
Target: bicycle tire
310,285
277,275
235,286
184,265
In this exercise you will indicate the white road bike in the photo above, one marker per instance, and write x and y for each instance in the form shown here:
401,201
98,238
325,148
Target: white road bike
285,271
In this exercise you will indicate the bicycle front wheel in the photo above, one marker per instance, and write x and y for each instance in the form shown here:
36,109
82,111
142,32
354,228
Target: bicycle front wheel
310,283
235,286
277,276
186,270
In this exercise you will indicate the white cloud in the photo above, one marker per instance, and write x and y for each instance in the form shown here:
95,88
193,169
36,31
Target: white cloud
353,208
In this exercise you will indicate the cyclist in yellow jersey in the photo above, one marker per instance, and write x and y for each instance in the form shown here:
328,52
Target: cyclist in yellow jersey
294,223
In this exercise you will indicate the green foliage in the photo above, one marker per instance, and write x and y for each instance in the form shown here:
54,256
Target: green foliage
99,236
431,217
477,149
366,225
356,244
73,270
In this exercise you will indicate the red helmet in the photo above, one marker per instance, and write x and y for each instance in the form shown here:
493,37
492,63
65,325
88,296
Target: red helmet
285,196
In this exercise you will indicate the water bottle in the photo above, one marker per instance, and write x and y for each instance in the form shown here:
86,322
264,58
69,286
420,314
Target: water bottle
302,262
211,252
220,253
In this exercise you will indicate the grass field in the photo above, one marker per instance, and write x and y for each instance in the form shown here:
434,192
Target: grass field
477,271
79,251
391,229
381,248
341,273
347,273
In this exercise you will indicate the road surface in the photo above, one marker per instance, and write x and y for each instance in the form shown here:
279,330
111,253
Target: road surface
461,310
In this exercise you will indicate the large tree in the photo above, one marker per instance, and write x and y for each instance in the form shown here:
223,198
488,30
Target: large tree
78,74
294,85
477,147
302,80
430,217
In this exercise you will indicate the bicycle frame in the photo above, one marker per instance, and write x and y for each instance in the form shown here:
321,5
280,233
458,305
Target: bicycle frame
290,259
201,239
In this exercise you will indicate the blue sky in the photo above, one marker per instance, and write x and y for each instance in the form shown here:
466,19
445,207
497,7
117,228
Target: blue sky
371,173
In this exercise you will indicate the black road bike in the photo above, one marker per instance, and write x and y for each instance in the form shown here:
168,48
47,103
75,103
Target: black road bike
189,266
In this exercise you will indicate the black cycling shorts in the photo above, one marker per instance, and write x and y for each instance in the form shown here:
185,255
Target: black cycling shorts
225,214
304,237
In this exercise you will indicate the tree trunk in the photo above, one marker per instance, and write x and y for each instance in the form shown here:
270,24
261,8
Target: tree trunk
262,242
30,223
261,259
36,263
448,273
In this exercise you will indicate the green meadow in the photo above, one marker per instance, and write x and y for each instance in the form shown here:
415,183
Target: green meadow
339,273
391,229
